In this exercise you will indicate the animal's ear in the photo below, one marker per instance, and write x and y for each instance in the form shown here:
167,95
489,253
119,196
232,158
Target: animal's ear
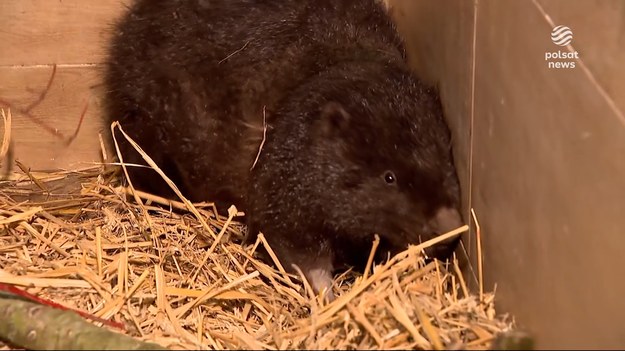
334,118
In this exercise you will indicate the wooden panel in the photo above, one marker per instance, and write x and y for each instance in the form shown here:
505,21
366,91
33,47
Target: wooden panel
547,172
37,147
548,178
63,32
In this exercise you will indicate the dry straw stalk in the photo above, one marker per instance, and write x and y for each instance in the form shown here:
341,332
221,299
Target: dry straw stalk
175,273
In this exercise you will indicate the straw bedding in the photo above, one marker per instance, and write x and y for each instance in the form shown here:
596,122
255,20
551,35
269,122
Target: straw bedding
174,273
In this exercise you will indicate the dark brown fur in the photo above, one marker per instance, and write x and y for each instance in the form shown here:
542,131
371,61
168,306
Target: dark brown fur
189,79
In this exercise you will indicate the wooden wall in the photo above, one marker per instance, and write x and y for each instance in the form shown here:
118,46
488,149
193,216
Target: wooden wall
35,34
541,153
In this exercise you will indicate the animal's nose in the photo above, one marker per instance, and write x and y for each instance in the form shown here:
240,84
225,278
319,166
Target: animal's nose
445,220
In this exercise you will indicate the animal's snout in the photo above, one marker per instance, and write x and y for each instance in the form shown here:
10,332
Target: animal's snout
445,220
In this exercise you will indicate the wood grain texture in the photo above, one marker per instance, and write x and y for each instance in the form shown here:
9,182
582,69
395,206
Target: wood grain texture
548,179
35,32
71,89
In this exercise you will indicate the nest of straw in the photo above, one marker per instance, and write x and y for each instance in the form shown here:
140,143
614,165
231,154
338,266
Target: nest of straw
175,273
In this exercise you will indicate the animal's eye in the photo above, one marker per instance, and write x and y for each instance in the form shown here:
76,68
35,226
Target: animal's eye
389,178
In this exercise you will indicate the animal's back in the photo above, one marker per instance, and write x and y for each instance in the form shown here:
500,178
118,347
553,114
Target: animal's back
191,80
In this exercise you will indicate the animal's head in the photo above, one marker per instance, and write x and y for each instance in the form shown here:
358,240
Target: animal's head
383,164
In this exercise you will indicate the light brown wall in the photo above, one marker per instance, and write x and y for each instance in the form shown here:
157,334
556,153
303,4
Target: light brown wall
72,34
548,165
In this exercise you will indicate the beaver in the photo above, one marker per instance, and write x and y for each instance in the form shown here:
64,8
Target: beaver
302,113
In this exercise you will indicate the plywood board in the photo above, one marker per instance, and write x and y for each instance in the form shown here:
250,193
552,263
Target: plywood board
72,88
37,32
547,176
548,180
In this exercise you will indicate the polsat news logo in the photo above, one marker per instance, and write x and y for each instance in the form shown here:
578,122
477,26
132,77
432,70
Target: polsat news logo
561,36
